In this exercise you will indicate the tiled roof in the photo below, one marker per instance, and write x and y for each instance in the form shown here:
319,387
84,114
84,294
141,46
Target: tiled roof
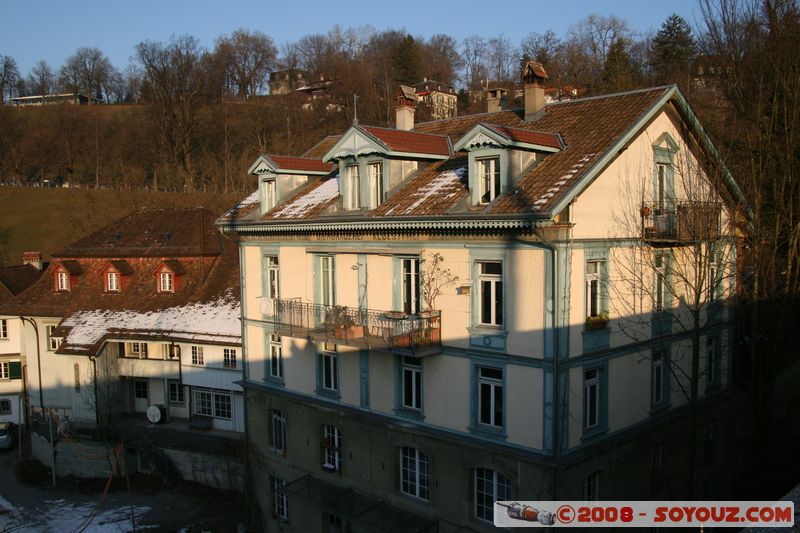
175,266
410,141
301,163
435,190
122,266
322,147
526,136
151,233
73,267
17,278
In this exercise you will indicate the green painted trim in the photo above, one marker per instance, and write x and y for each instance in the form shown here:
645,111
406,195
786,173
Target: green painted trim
522,222
472,171
242,320
549,305
602,402
666,380
399,409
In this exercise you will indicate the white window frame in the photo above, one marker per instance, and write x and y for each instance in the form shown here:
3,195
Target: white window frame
353,199
594,291
327,274
411,381
3,328
415,468
331,448
112,281
280,501
491,392
273,288
499,490
375,174
591,398
329,380
270,194
63,280
277,437
275,356
218,395
488,172
166,281
197,356
5,370
176,392
591,487
661,271
138,349
410,285
495,285
229,358
53,343
136,383
203,398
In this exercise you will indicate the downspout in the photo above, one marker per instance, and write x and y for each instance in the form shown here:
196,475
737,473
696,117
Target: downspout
38,357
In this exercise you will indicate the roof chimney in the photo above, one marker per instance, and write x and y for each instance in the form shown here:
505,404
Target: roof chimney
533,75
32,258
406,99
496,100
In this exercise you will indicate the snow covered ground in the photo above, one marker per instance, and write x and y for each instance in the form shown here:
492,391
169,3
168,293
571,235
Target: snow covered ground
62,517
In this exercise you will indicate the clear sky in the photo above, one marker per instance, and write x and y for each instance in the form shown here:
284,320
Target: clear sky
54,29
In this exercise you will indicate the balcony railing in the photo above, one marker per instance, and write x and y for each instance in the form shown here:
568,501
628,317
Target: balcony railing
414,335
680,221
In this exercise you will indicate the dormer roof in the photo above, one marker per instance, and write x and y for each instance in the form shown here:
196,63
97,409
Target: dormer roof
366,140
72,267
507,136
281,164
121,266
173,265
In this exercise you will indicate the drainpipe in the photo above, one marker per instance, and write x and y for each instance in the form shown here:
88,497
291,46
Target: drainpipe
38,357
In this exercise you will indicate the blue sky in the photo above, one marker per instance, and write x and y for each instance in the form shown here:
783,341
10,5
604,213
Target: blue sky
54,29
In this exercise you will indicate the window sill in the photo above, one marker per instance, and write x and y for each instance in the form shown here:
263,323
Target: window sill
331,469
410,414
331,395
594,433
496,433
275,381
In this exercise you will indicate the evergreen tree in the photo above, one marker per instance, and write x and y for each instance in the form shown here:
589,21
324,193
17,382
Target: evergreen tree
406,61
618,72
673,49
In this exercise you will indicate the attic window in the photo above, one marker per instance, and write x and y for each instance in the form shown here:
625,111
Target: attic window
62,280
270,196
166,282
112,282
375,175
352,193
488,179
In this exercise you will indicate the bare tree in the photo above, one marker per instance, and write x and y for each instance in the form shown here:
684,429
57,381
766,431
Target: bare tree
248,58
87,71
503,59
8,76
475,54
42,79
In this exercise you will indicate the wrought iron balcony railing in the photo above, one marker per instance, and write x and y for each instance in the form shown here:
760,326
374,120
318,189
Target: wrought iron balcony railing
400,333
680,221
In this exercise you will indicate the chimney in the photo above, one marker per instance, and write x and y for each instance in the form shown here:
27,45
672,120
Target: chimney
533,75
32,258
406,99
496,100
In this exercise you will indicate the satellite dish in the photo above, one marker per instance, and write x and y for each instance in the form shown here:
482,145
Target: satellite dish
154,414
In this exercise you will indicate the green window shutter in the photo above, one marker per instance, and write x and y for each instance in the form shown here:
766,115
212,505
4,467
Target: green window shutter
15,370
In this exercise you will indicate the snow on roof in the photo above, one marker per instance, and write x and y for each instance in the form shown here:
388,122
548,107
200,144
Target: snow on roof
438,185
250,200
210,321
571,173
324,193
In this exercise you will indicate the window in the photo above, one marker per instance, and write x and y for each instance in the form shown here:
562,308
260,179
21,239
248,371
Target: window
138,349
166,284
489,179
327,288
229,358
197,355
591,487
212,403
594,280
270,196
410,285
280,501
591,398
490,487
76,375
4,373
375,175
62,280
176,392
331,448
222,405
412,383
490,299
202,403
330,368
5,407
714,261
278,434
52,342
112,282
275,357
661,185
140,389
414,473
490,396
658,377
661,264
352,194
272,267
711,361
3,329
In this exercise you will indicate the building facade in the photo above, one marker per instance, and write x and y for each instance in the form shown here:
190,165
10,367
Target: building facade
486,308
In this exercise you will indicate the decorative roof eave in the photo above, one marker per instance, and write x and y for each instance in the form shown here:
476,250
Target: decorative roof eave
519,222
265,165
341,149
484,135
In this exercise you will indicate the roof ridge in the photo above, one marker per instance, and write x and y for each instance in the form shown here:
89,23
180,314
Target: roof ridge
387,128
612,95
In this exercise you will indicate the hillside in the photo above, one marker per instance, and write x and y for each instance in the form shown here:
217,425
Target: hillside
34,219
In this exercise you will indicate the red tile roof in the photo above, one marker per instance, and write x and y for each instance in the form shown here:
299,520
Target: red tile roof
526,136
301,163
17,278
410,141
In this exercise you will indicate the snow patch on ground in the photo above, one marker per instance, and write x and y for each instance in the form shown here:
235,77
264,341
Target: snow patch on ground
60,516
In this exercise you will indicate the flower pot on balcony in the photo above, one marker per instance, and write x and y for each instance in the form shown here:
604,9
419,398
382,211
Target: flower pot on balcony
403,341
349,332
596,322
644,211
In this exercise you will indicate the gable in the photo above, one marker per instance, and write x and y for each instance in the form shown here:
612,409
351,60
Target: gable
354,143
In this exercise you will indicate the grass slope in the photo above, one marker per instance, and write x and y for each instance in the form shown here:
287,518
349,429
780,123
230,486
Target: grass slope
47,219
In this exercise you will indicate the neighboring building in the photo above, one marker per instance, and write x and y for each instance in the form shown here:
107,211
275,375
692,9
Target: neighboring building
286,81
440,98
53,99
142,312
439,318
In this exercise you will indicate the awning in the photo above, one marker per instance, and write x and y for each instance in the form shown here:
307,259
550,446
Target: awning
366,514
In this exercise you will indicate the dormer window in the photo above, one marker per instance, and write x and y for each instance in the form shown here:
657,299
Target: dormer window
488,178
62,281
270,194
375,174
352,193
112,282
166,282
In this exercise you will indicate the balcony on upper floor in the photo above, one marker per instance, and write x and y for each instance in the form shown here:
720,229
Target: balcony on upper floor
679,222
415,335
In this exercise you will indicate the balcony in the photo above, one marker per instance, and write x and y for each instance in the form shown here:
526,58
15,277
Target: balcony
680,222
412,335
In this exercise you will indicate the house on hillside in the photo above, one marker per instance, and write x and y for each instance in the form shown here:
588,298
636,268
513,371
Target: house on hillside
488,307
286,81
53,99
143,312
441,99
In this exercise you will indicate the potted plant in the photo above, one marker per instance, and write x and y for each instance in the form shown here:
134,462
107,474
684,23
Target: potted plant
344,327
597,322
645,211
